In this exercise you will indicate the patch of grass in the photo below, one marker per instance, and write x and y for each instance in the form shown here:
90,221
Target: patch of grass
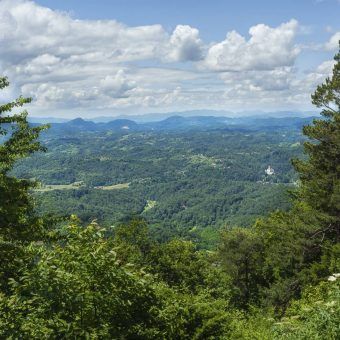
51,187
113,187
201,159
149,205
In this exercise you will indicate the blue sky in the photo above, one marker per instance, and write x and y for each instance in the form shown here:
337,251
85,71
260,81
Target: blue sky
88,58
213,18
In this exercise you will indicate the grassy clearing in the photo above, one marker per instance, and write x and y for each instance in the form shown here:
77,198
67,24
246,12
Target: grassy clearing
113,187
51,187
149,205
201,159
77,185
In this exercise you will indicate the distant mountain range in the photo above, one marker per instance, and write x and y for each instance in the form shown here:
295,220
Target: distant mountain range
180,123
152,117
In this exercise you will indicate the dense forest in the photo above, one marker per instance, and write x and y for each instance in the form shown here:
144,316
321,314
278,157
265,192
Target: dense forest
277,278
190,183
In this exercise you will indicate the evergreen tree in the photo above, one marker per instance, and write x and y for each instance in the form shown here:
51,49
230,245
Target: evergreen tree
18,223
300,243
298,247
319,174
241,255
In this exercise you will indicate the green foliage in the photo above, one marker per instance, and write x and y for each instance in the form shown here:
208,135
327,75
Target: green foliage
242,257
203,179
286,251
292,244
21,140
197,317
78,289
320,173
315,315
308,234
18,223
135,232
179,264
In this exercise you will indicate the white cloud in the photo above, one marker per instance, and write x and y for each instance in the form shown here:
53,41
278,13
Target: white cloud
57,34
333,42
266,49
103,66
41,64
282,87
317,76
117,85
278,79
64,62
185,44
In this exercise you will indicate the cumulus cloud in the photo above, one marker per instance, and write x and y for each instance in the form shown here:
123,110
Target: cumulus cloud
61,61
333,42
92,66
117,85
185,44
318,75
57,34
283,87
278,79
41,64
266,49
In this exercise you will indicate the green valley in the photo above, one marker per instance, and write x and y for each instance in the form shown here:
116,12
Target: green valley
205,178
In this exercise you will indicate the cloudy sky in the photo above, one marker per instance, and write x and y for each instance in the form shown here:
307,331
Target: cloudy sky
93,58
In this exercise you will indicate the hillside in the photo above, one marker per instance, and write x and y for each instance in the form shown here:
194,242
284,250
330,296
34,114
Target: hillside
179,123
188,176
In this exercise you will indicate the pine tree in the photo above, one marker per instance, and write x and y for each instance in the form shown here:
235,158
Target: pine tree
18,224
320,174
19,140
289,250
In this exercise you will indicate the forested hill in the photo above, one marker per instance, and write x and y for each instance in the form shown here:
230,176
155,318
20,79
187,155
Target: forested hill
186,176
180,123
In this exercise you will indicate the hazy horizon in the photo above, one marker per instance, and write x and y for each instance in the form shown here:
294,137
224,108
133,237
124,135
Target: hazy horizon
153,116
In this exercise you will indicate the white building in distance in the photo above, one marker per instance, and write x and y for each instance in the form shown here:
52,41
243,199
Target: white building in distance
269,171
